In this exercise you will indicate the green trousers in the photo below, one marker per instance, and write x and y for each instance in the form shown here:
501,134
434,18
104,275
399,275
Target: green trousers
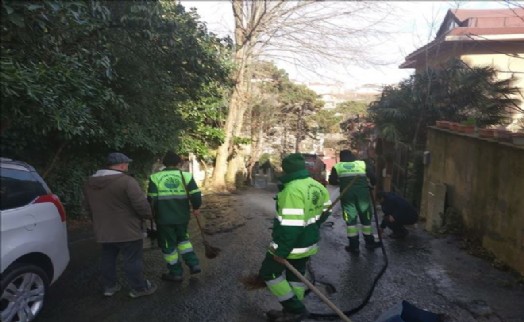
357,203
174,242
282,283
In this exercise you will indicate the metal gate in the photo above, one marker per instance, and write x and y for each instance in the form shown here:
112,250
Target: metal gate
400,168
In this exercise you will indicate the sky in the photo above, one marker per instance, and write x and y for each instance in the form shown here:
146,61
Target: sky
414,26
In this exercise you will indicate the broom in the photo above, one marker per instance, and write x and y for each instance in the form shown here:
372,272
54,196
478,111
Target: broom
210,251
254,281
317,291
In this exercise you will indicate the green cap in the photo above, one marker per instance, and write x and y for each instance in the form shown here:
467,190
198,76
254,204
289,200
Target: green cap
293,163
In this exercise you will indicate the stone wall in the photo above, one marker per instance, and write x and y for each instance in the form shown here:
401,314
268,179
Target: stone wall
483,180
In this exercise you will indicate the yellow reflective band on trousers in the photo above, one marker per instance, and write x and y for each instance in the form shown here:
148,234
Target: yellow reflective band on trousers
366,230
280,288
171,258
185,247
352,231
299,289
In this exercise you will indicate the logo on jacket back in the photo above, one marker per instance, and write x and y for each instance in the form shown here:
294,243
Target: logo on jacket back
171,183
315,197
348,166
314,193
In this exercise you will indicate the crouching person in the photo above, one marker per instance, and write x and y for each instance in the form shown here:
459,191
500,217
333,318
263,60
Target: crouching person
397,213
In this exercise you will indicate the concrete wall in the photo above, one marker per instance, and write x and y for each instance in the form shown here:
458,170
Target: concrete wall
484,182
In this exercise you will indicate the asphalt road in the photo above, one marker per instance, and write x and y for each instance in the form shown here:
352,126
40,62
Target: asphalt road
432,273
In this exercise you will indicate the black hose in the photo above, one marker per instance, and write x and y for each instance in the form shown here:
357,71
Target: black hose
332,316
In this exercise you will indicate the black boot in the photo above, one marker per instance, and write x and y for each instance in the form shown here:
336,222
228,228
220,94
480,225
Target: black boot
400,233
292,317
284,316
353,247
371,243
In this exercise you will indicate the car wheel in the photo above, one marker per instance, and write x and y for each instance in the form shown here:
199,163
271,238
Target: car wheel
23,291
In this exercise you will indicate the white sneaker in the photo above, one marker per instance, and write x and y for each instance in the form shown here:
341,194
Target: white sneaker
112,290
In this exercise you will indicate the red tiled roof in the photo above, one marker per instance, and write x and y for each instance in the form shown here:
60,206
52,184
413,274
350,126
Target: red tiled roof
463,14
474,25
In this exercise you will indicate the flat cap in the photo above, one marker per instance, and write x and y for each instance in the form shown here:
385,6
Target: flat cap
117,158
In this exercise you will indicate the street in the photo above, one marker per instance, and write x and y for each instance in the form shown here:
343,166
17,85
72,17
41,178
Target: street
431,273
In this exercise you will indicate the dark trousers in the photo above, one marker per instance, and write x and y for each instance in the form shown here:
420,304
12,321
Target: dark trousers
396,227
133,263
400,220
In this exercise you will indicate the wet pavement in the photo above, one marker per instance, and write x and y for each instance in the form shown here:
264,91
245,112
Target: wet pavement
431,273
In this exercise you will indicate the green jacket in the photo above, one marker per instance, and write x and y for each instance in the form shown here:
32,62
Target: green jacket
343,174
300,207
168,196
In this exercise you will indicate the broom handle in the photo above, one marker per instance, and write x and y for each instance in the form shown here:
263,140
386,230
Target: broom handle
189,201
317,291
200,228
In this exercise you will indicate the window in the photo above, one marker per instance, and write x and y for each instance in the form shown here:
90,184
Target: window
18,188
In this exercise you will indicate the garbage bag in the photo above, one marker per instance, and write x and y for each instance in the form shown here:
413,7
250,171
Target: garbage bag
407,312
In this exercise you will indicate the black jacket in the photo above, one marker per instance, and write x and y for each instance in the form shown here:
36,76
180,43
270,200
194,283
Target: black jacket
398,207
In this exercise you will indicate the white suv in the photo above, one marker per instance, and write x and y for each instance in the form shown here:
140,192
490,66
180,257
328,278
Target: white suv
34,250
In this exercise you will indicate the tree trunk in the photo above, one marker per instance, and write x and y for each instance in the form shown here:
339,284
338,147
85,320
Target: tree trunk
235,112
206,177
235,156
237,152
219,173
299,129
257,142
52,164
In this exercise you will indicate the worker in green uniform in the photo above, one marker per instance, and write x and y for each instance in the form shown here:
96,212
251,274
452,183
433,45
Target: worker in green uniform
300,212
356,201
170,192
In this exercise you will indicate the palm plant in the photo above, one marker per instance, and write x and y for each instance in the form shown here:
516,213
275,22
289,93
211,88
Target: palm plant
455,92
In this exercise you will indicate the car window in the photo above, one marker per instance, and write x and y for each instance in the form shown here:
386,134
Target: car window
18,188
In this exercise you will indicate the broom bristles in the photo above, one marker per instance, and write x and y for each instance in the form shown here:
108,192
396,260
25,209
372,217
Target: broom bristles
211,252
252,282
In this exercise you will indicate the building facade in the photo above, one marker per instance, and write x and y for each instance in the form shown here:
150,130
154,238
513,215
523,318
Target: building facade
479,38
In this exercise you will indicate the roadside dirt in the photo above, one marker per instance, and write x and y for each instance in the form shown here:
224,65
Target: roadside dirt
219,213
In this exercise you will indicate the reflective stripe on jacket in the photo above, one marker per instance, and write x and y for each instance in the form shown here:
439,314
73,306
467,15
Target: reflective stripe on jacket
296,226
169,198
346,172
